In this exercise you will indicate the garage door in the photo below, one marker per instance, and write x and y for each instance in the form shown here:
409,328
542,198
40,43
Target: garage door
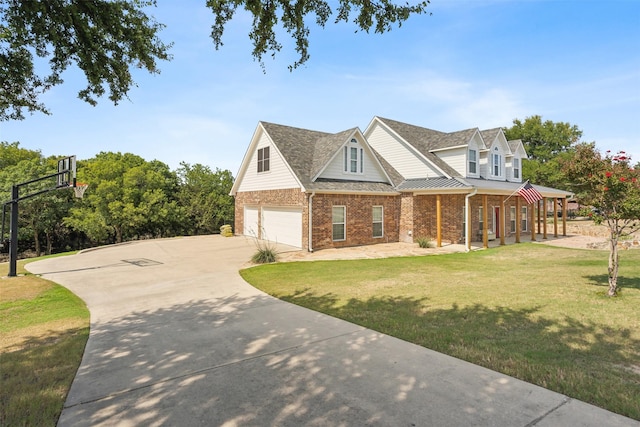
283,225
250,222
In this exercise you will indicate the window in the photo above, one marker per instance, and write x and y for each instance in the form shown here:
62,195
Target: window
353,160
378,227
516,168
481,218
497,164
473,161
339,223
512,217
523,218
263,159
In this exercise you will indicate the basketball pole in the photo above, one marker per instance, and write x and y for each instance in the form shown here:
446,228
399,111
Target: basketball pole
13,232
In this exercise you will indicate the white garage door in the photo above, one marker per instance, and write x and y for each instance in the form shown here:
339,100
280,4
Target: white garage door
250,222
283,225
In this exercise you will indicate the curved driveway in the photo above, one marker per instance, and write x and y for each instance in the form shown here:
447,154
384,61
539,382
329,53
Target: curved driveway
179,339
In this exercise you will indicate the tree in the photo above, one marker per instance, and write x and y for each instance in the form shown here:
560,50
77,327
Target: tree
612,187
105,39
205,197
546,144
128,198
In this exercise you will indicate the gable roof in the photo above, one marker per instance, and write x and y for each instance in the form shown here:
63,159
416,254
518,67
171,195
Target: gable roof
308,152
427,140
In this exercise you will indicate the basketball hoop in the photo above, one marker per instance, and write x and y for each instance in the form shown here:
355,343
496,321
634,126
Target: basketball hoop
79,189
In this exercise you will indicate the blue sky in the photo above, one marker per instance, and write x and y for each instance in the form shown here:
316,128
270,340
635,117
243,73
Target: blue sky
471,64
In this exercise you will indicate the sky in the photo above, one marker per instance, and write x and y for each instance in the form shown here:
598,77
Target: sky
469,64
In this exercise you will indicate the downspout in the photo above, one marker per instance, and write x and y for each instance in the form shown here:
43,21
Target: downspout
310,222
466,220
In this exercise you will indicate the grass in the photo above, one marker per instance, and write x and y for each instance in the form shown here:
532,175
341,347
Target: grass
43,333
534,312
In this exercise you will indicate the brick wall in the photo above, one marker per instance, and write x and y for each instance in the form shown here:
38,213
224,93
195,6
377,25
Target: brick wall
287,197
359,219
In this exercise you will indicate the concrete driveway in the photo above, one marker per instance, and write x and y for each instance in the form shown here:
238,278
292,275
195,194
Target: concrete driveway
179,339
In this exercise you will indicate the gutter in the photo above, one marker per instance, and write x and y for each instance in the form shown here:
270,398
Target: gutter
310,222
466,220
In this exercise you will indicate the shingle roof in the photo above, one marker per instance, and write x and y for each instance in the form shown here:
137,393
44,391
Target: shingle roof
307,152
489,134
425,140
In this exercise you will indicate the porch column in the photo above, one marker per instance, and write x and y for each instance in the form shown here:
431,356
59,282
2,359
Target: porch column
539,224
439,221
503,221
555,217
518,219
545,202
533,218
564,216
485,219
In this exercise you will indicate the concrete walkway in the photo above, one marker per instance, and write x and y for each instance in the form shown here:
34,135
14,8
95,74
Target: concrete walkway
179,339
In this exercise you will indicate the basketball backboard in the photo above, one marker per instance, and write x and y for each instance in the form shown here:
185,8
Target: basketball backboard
66,172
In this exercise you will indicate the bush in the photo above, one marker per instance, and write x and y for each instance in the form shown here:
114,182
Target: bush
424,242
265,254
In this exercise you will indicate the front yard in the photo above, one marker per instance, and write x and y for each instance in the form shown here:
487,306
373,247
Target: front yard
534,312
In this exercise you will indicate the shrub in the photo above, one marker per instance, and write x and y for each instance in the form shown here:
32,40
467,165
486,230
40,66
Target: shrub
265,254
424,242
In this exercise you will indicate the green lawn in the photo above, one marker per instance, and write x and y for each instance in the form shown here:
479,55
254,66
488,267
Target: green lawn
535,312
43,332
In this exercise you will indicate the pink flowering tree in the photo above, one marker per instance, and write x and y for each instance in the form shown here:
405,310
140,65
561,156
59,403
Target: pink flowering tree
611,185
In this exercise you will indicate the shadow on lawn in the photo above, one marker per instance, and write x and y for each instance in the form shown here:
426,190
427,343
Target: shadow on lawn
582,359
46,363
623,281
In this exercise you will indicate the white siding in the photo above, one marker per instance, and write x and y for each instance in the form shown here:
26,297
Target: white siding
371,170
403,159
456,158
279,176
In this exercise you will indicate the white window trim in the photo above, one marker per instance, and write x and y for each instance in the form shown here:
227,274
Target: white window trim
524,218
516,168
348,160
474,162
344,224
381,221
513,219
494,164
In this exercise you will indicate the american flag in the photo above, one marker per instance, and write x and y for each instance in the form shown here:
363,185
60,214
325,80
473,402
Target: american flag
530,194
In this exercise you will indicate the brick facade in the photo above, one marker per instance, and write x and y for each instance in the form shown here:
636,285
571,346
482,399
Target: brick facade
406,217
359,219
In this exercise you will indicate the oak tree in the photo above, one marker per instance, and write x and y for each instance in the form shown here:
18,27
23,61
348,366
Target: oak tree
107,39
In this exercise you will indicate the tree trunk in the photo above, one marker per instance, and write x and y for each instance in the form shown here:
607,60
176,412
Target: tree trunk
49,242
613,266
118,234
36,240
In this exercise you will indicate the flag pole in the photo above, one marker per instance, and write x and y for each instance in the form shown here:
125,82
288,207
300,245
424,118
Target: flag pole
518,189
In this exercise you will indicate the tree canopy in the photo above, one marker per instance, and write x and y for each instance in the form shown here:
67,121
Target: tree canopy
106,39
611,185
546,143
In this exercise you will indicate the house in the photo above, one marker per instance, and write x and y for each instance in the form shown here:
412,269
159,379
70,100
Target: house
394,182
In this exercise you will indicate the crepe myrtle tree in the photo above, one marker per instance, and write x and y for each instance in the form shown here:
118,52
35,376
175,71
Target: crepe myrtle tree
610,184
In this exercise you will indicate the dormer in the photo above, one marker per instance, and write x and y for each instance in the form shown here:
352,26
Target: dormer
514,162
474,148
497,155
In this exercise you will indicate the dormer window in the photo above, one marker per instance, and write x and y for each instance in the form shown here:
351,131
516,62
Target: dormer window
263,159
496,163
473,161
353,159
516,168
